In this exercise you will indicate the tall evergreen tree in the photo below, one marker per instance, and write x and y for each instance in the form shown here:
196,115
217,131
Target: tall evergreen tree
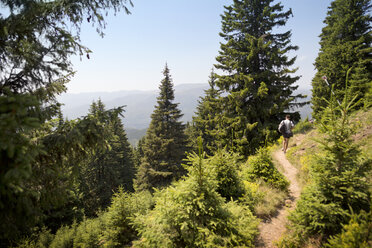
36,41
345,43
257,73
165,141
108,167
205,121
138,151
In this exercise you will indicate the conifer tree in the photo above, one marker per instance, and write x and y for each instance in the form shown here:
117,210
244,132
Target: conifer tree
37,40
205,121
138,151
165,141
345,43
109,167
257,73
191,213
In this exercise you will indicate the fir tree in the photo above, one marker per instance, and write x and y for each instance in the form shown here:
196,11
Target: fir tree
165,141
190,212
37,40
138,151
205,121
109,167
257,74
345,43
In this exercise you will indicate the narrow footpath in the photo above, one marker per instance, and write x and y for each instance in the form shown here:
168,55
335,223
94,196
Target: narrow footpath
273,229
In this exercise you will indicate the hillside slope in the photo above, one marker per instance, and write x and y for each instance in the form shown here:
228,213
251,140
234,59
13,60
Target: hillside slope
303,153
303,146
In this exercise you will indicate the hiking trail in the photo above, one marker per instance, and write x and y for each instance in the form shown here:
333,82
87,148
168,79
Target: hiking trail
271,230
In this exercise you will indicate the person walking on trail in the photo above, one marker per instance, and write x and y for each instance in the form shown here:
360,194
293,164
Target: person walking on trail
285,127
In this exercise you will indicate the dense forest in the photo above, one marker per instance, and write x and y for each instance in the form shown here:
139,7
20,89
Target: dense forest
210,182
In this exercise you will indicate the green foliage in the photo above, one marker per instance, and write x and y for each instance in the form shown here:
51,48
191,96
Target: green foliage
37,39
43,240
260,166
111,228
225,166
205,121
338,178
64,237
88,233
356,234
67,145
118,229
190,213
307,162
257,76
164,146
108,167
62,147
347,33
251,195
303,126
138,152
17,153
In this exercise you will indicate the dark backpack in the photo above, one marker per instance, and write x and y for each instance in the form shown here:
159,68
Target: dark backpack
281,127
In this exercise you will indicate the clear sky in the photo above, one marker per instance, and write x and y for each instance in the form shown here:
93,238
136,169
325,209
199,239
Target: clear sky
182,33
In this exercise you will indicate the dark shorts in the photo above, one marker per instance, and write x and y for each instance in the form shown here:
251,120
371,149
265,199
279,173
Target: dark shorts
287,135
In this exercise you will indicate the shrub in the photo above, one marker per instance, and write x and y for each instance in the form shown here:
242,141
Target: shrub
251,195
64,237
118,229
112,228
338,179
43,239
303,126
190,213
88,233
314,215
260,166
356,234
225,166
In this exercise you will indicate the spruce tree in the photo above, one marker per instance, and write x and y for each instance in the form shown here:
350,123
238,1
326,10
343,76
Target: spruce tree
257,73
165,141
37,40
191,213
205,121
108,167
345,43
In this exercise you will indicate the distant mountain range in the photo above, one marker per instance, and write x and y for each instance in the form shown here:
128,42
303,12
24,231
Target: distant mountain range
140,105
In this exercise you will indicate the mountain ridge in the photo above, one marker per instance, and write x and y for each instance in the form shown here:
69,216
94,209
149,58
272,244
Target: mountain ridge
139,105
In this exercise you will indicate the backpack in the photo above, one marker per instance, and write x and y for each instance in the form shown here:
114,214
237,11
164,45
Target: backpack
281,127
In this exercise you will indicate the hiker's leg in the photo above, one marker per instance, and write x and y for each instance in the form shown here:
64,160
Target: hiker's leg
286,144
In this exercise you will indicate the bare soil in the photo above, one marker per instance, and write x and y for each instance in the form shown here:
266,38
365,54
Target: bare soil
271,230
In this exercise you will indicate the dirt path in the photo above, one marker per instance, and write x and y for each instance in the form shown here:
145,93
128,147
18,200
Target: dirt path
272,230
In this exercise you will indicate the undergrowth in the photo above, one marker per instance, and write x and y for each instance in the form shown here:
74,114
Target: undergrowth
337,186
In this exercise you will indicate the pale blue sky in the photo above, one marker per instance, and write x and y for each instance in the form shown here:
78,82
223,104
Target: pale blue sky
182,33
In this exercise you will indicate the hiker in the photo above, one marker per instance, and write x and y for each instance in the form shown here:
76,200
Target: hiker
285,127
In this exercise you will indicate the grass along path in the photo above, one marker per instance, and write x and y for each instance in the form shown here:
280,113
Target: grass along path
271,230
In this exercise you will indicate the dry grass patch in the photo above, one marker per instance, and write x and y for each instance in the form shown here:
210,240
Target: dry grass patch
271,199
